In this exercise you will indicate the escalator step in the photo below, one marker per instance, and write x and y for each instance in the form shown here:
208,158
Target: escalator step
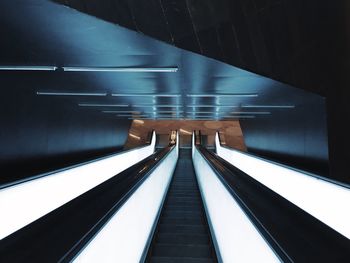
170,228
180,260
182,239
170,250
183,208
182,233
182,213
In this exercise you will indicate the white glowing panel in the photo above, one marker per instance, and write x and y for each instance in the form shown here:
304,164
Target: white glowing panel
326,201
124,237
237,238
24,203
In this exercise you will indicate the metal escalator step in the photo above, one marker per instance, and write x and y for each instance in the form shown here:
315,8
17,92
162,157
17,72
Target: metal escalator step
171,228
193,251
167,238
182,233
182,213
183,208
183,220
180,260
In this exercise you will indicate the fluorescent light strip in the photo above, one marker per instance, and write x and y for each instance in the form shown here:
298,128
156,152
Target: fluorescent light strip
120,69
145,95
220,113
269,106
70,94
101,105
25,202
186,132
324,200
239,117
236,237
156,106
212,106
252,112
135,136
139,121
221,95
130,227
29,68
164,112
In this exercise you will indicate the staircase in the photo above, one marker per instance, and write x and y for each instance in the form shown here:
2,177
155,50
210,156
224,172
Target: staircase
182,233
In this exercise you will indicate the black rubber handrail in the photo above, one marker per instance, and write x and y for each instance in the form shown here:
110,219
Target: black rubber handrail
60,235
292,233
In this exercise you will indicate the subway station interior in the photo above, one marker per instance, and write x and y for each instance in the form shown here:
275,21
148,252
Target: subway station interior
174,131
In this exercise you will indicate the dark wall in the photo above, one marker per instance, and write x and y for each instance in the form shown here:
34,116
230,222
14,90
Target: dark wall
40,134
298,139
36,137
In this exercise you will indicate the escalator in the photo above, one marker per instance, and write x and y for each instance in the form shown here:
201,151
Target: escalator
182,233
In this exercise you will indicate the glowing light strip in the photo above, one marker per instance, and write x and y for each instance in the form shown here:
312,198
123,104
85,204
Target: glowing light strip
221,95
145,95
186,132
29,68
124,237
212,106
101,105
139,121
324,200
135,136
23,203
236,237
120,69
44,93
156,106
270,106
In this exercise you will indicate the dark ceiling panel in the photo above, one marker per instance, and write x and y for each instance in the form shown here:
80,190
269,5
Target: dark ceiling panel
46,33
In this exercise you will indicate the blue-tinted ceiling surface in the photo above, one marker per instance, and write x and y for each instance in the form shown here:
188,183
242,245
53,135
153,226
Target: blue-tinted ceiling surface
202,88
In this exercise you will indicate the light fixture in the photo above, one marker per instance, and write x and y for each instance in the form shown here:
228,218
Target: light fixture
269,106
139,121
222,95
157,106
102,105
185,131
165,112
252,112
45,93
239,117
29,68
121,69
135,136
212,106
145,95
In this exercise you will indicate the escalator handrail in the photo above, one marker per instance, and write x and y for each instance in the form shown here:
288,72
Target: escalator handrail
72,166
60,235
312,239
320,177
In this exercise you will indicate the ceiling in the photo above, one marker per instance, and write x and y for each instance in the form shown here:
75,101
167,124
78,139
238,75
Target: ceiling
154,80
288,40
